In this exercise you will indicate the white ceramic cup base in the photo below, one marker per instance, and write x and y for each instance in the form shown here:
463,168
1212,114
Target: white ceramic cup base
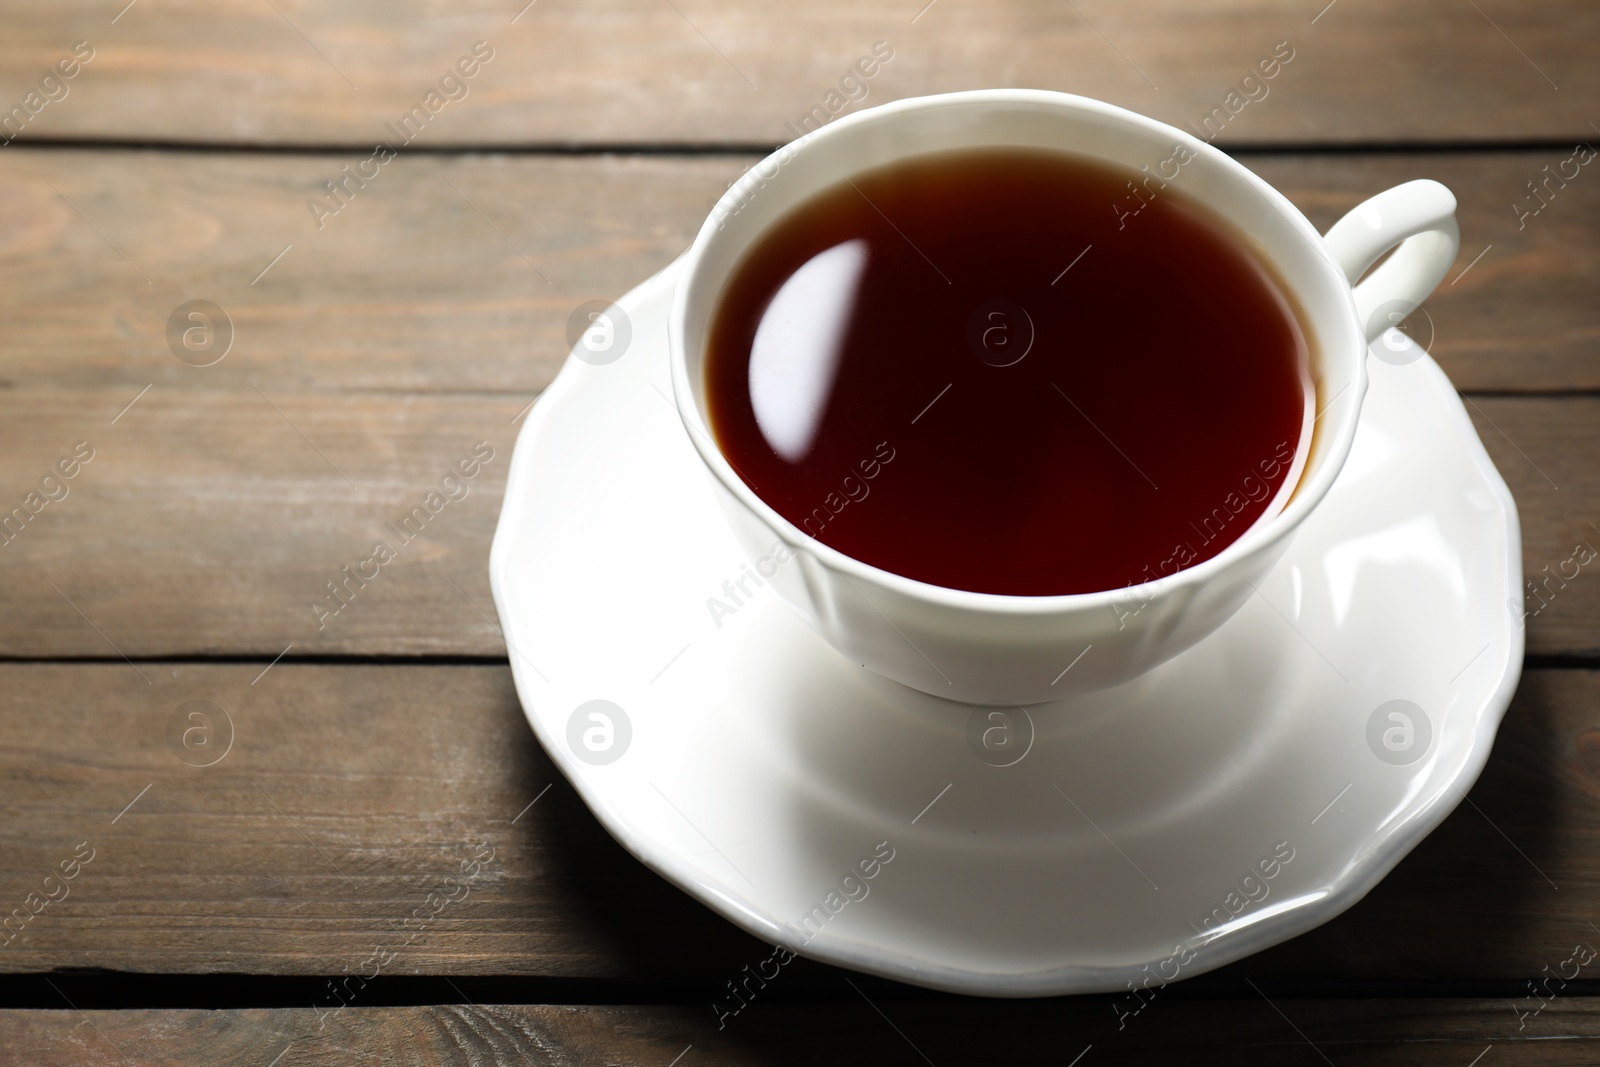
755,767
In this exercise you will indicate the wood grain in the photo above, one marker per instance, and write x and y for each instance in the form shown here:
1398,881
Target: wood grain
1547,456
212,523
460,273
1447,1033
628,71
350,793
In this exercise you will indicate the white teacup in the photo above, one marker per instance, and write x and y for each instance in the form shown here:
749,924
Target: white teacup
994,649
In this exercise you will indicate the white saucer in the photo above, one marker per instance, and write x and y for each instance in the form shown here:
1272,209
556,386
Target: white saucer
755,768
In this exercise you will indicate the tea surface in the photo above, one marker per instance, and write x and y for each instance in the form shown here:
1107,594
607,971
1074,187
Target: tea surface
1010,370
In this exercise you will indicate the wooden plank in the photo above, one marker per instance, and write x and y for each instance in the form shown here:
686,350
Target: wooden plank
211,522
460,274
612,71
1448,1033
439,275
350,793
1557,506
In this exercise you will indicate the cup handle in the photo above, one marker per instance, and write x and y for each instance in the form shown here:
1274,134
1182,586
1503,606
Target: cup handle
1420,217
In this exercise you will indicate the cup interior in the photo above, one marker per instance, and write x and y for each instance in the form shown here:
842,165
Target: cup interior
1277,232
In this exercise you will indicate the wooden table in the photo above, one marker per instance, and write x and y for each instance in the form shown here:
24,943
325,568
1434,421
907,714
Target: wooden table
365,757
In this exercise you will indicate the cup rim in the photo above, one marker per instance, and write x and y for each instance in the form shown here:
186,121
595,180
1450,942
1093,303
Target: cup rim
1315,482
